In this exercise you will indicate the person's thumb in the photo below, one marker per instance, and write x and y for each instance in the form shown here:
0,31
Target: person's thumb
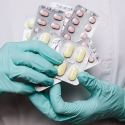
89,82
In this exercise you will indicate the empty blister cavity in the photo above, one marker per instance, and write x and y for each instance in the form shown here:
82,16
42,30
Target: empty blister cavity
71,29
73,73
44,13
30,24
57,17
55,26
68,50
75,21
45,37
80,55
61,69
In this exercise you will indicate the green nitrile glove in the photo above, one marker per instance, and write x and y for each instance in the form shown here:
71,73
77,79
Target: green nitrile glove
29,60
107,100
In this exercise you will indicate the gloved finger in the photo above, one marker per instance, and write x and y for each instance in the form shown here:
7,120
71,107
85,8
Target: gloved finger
31,75
89,82
42,49
61,107
34,61
44,106
19,87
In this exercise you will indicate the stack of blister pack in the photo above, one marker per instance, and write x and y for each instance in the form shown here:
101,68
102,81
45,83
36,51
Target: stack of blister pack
68,31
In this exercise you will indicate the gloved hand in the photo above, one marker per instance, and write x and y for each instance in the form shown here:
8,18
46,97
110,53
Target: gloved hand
107,100
29,60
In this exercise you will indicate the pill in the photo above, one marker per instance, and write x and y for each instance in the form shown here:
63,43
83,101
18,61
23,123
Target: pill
75,21
57,17
61,69
64,23
45,37
88,28
55,26
92,20
83,35
91,59
71,29
85,44
80,55
41,22
66,36
79,13
73,73
28,36
30,24
68,50
68,15
44,13
36,30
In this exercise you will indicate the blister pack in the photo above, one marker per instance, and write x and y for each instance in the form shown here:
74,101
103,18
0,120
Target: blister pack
75,56
94,57
28,25
81,24
67,9
48,18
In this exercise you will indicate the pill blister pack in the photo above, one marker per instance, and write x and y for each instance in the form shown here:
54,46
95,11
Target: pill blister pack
75,56
94,57
67,9
81,24
48,18
28,25
76,27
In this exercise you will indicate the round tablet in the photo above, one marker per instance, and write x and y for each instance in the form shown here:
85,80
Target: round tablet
57,17
91,59
85,44
36,30
41,22
79,13
88,28
92,20
44,13
64,23
30,24
75,21
71,29
66,36
83,35
68,15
